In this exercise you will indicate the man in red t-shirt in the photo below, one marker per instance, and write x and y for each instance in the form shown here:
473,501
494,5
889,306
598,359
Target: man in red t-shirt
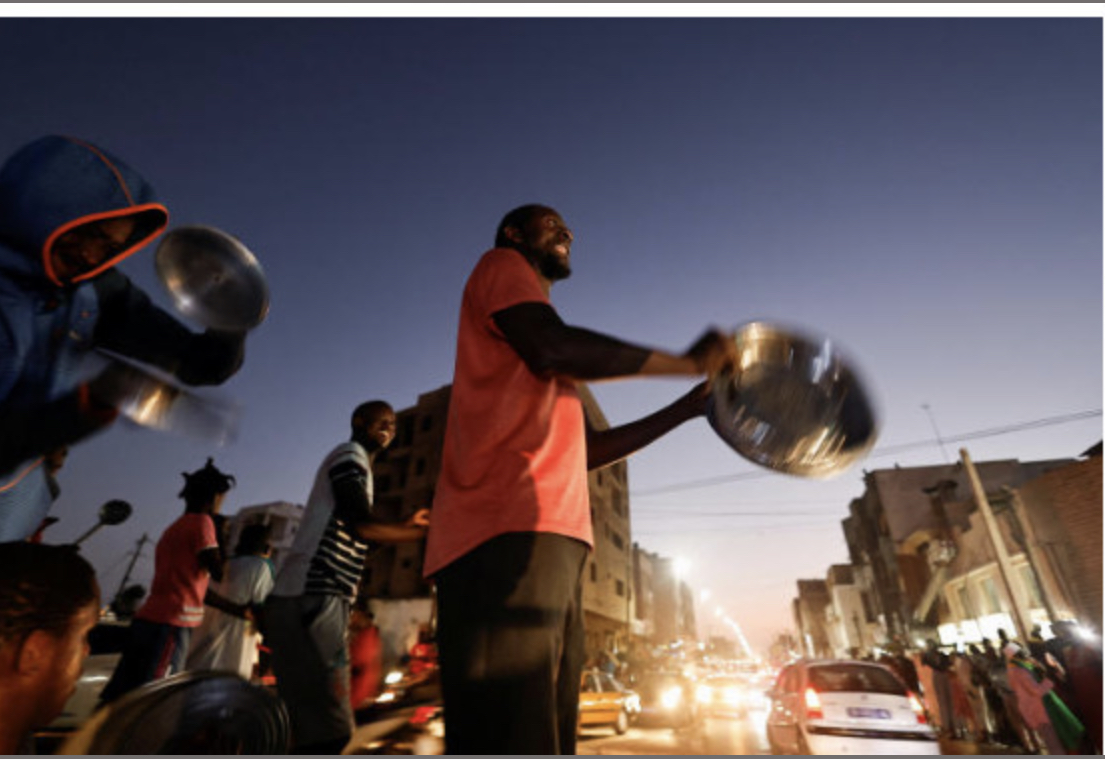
188,554
510,527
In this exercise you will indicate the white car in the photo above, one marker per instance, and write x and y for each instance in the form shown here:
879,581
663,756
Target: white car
846,707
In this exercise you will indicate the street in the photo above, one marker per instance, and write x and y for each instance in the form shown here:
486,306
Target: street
712,736
743,736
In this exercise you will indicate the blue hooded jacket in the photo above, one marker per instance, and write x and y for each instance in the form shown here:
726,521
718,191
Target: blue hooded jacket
49,325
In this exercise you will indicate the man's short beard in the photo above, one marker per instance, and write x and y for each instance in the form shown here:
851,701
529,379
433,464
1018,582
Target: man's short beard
554,268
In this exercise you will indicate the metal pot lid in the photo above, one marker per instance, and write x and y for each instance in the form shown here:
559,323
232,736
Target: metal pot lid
213,278
190,713
795,404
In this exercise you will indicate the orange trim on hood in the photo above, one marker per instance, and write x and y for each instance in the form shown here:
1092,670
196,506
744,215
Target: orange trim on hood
47,261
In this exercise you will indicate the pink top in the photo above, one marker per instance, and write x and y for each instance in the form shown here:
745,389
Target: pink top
515,457
1030,694
179,584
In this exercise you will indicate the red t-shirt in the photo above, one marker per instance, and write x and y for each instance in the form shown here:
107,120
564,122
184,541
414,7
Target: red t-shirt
515,456
179,583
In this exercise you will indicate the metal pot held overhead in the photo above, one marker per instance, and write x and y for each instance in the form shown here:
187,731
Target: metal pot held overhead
213,278
795,404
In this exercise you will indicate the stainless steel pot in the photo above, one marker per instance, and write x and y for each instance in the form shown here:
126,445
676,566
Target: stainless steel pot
212,278
795,403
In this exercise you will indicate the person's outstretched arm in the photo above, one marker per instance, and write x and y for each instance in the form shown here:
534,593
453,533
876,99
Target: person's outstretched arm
606,447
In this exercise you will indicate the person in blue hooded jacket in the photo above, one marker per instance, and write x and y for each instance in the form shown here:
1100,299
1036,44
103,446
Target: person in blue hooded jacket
69,213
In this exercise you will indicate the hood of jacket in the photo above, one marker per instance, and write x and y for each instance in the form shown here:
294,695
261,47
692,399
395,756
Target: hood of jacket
57,183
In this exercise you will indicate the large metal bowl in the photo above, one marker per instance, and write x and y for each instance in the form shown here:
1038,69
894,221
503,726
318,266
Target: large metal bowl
189,713
795,403
213,278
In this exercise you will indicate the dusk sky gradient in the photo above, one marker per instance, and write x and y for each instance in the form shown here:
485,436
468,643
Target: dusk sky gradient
926,191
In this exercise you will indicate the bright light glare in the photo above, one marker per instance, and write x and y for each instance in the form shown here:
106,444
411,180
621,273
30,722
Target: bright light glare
703,694
671,697
393,677
682,567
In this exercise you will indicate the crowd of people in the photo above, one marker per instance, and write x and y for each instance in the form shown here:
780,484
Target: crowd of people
510,526
1040,697
507,536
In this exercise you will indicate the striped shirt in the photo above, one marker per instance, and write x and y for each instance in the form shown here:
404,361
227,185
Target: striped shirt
327,557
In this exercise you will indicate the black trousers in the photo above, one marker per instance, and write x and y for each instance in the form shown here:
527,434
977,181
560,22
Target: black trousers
511,643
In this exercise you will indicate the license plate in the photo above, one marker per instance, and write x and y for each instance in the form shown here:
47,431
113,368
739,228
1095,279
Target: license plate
860,712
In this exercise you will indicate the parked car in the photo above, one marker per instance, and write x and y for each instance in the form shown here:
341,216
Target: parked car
603,701
846,707
667,699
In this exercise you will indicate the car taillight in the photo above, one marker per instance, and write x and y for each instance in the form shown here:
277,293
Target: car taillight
813,705
918,709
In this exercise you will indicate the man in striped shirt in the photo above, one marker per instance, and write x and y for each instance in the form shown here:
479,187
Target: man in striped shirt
307,615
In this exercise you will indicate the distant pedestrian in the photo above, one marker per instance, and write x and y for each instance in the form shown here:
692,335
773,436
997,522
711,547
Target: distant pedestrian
228,637
189,554
365,657
1053,726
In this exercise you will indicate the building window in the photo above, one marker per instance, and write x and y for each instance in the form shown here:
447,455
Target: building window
991,599
1031,587
616,539
419,467
619,587
966,608
382,484
406,430
427,423
594,573
406,564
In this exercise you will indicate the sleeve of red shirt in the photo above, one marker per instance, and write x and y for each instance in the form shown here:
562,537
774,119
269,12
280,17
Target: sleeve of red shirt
205,535
503,278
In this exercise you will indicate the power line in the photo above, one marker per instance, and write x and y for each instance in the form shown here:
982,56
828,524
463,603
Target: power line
882,452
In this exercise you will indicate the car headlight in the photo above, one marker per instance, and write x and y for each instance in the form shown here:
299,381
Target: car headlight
394,677
703,694
671,697
633,703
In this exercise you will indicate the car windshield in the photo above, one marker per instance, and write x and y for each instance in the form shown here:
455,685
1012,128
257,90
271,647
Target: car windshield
855,678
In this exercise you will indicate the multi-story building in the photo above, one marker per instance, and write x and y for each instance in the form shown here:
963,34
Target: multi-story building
405,477
810,613
900,536
846,618
1051,531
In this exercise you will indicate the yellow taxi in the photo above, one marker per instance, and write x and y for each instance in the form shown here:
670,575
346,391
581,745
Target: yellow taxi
603,702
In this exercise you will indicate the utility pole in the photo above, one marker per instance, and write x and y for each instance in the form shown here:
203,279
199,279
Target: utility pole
1005,567
126,575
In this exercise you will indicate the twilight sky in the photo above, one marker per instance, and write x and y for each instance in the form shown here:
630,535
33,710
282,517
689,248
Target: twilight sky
927,191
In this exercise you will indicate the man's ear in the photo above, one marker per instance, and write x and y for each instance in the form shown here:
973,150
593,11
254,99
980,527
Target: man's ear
35,654
513,234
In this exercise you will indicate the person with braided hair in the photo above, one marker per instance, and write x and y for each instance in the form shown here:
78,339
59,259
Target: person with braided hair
188,555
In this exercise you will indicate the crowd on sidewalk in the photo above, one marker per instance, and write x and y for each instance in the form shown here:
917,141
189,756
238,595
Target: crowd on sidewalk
1040,696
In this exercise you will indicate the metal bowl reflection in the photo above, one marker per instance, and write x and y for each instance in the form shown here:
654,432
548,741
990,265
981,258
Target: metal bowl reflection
795,404
213,278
